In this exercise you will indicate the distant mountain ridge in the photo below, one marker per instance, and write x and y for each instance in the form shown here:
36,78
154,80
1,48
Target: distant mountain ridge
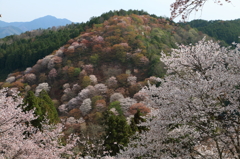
45,22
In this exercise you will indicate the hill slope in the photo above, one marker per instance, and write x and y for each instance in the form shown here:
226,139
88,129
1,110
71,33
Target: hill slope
102,68
228,31
123,45
12,48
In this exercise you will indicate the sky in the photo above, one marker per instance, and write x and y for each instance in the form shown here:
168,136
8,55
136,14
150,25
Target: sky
83,10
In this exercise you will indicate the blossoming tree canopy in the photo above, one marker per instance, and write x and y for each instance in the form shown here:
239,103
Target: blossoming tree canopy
14,143
196,107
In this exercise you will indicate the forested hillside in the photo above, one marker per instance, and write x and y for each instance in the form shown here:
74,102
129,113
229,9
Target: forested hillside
228,31
93,72
20,51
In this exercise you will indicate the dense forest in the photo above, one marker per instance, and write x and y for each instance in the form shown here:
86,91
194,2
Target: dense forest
228,31
20,51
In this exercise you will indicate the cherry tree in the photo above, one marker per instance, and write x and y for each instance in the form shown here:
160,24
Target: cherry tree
195,110
52,73
186,7
15,143
86,106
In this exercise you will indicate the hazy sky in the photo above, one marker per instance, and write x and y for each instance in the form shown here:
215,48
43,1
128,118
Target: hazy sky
82,10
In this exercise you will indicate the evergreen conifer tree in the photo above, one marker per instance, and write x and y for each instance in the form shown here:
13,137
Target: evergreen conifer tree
47,105
117,133
32,102
43,106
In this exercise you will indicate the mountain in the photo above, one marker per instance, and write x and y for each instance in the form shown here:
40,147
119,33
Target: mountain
101,66
9,30
43,23
12,28
121,49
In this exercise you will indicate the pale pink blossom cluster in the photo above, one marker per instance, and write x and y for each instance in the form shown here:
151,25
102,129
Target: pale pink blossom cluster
126,103
45,60
140,96
45,144
30,78
116,97
86,106
112,82
195,110
98,39
132,80
93,79
40,87
101,89
52,73
11,79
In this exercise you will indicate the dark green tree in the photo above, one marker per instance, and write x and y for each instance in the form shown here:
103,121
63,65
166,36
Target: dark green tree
48,107
44,108
31,102
118,133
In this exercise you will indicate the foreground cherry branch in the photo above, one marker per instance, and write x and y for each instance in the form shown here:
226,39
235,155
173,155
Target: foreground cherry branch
39,144
196,107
